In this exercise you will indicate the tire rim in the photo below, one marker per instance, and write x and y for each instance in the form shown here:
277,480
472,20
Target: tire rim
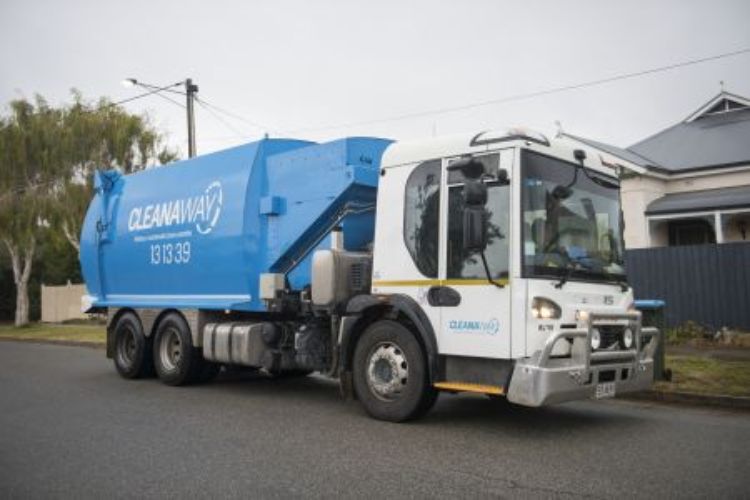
170,349
126,346
387,371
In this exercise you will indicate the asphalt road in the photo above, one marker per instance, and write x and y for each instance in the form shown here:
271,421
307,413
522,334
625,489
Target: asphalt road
70,427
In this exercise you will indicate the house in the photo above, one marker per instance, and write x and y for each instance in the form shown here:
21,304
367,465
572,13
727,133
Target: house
690,183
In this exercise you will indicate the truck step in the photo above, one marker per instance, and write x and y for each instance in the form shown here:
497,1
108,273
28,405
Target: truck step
468,387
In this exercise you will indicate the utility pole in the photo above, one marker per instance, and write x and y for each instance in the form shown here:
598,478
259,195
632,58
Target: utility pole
190,90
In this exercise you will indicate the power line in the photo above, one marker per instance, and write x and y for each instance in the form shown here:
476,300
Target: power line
165,89
229,126
528,95
155,90
171,100
241,118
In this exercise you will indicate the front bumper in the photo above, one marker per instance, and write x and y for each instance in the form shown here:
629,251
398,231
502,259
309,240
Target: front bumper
543,380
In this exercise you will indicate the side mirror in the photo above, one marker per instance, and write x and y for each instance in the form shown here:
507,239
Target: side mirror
475,229
475,219
502,176
475,193
469,167
475,197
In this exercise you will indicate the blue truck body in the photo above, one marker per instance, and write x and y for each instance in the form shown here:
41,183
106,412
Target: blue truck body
199,233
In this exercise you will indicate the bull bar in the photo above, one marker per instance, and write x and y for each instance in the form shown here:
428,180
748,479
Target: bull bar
543,379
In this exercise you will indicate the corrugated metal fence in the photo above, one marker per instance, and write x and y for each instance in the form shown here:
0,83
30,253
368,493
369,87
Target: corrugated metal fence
709,284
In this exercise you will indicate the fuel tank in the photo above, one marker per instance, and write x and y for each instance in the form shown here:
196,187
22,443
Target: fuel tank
199,233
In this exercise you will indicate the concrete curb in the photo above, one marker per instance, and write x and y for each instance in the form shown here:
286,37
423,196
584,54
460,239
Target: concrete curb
71,343
691,398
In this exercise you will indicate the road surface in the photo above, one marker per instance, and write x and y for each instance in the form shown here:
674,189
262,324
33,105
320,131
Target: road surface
71,428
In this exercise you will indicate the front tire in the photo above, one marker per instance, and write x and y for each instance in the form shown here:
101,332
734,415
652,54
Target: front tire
391,379
132,353
176,361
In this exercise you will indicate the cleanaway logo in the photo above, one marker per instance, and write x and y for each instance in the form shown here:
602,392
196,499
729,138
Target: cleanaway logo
202,210
489,327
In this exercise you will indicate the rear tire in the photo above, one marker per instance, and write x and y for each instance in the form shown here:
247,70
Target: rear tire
391,379
132,350
176,361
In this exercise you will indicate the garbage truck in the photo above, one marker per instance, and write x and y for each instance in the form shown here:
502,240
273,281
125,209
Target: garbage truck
490,263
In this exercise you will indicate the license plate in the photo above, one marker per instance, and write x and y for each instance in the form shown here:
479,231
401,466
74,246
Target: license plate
605,390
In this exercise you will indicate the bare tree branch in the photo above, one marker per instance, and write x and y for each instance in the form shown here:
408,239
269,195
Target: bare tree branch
14,259
28,259
71,237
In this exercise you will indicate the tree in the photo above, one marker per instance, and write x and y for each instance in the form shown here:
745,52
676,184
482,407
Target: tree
47,158
30,153
102,137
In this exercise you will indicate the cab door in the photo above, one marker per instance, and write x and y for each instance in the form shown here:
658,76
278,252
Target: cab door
475,314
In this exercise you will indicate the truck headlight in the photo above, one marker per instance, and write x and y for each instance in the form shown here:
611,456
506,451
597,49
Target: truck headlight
596,339
582,316
543,308
627,338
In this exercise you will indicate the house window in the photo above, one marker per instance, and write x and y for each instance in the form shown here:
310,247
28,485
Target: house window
421,216
691,232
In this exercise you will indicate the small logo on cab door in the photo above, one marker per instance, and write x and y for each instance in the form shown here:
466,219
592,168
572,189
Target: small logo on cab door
489,327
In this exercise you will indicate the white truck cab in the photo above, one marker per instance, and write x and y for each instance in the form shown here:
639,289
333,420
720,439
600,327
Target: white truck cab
542,312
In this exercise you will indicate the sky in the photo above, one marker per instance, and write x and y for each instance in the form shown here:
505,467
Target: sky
303,69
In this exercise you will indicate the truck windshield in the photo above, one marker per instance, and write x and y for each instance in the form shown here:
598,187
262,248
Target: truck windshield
571,221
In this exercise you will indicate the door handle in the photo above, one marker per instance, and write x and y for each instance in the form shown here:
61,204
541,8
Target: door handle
443,296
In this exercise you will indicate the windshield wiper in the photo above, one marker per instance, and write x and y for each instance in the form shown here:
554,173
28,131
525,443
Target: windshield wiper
602,182
569,268
624,286
568,273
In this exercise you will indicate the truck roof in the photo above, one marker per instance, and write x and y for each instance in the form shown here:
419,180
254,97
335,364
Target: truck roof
409,152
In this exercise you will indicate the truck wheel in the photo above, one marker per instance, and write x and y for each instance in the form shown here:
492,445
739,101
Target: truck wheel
177,362
390,373
132,354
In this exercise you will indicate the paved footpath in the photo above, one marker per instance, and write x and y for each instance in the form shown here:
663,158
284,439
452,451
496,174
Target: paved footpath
71,428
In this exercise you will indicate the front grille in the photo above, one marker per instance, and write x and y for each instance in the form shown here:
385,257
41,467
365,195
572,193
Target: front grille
611,335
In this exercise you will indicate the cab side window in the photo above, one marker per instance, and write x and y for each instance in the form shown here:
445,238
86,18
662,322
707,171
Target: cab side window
468,265
422,216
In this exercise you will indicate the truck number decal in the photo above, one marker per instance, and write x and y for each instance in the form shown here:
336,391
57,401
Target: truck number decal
170,253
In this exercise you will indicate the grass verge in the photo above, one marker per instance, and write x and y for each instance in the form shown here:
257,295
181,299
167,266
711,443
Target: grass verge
703,375
90,334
